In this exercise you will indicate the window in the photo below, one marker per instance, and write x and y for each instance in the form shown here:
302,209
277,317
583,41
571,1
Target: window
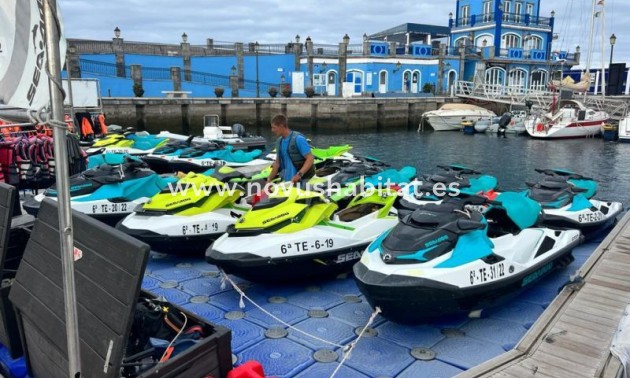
507,8
533,43
487,11
465,14
529,9
518,9
509,41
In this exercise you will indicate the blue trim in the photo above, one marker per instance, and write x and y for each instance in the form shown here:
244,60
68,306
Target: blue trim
580,203
419,255
376,244
470,247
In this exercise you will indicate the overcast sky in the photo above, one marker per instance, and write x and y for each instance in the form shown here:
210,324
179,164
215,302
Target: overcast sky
278,21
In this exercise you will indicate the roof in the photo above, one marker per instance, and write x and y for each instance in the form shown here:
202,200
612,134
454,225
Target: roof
435,31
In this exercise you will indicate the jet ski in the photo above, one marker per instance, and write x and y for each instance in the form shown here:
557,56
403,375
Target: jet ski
203,157
448,258
296,234
567,202
186,216
109,192
451,181
159,159
129,142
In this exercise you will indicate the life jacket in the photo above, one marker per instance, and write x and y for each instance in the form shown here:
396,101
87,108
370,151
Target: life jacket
101,121
294,154
86,127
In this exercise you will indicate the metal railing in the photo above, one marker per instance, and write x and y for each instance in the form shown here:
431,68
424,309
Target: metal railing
98,68
505,18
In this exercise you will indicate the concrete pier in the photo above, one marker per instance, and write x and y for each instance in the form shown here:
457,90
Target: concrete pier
185,115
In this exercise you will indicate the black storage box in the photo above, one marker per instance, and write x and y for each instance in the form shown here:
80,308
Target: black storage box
211,356
107,280
14,233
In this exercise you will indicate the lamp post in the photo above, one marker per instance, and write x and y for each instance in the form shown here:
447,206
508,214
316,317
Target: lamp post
613,39
117,32
256,46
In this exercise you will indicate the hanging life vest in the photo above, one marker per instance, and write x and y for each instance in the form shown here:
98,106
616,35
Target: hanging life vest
101,122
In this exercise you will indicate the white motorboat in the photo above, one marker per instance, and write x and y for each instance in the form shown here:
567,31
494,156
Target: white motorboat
491,124
451,116
624,129
571,119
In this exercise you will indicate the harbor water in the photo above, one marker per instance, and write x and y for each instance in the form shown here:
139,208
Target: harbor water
512,160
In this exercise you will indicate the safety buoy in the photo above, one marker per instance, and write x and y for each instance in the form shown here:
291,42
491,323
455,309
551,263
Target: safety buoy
540,127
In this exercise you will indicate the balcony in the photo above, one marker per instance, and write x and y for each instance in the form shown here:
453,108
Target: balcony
506,18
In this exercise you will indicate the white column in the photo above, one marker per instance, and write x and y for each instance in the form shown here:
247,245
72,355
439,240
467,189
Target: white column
627,82
596,82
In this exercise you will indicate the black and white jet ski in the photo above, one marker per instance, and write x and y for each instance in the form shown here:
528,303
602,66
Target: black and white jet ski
567,202
444,259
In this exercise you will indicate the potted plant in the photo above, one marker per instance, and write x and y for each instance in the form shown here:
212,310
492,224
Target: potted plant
218,91
427,88
273,91
138,91
309,92
286,90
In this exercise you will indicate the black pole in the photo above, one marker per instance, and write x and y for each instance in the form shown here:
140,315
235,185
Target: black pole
612,47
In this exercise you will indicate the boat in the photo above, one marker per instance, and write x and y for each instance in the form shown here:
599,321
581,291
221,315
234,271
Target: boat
454,180
491,125
451,116
205,156
108,192
234,135
446,259
296,234
571,119
187,217
129,142
567,202
624,129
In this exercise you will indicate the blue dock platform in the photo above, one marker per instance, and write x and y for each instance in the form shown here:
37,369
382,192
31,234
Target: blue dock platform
311,323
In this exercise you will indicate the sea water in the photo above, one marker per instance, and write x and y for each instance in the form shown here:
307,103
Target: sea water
512,160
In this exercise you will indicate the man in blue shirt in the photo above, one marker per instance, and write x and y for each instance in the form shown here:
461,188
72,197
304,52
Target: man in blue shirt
294,159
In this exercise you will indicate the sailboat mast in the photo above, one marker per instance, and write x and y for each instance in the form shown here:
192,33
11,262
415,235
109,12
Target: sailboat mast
603,30
590,44
53,35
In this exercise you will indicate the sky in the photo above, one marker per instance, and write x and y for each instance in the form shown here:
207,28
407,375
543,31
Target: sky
279,21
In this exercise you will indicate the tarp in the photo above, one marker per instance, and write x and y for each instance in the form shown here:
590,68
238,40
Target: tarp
23,78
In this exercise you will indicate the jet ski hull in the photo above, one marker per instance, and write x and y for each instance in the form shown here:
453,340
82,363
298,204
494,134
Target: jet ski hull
414,293
105,210
591,221
257,268
179,234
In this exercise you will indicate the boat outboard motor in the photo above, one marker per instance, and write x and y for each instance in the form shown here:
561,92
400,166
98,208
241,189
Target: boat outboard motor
239,130
505,120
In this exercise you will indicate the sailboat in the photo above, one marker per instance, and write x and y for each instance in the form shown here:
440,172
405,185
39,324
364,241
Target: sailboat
570,118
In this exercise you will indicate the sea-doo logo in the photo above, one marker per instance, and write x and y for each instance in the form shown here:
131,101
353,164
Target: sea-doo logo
177,202
274,218
436,241
39,44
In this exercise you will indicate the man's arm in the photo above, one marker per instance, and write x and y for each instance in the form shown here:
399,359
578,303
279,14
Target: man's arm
275,167
308,163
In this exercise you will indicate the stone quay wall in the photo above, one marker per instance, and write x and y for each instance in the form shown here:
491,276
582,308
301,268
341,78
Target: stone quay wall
326,115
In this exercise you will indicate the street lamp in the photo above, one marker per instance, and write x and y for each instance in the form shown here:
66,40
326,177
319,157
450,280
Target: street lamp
256,46
184,38
117,32
613,39
233,70
398,67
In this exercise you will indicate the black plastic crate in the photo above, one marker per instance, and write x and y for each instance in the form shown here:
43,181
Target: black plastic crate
107,281
210,356
14,234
